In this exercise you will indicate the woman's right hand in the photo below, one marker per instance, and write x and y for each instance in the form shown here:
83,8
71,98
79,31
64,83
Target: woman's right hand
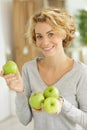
14,81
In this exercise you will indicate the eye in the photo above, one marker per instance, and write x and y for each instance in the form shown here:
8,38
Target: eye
50,34
38,37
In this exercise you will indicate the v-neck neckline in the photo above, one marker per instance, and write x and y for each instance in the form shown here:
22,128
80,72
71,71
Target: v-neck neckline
57,82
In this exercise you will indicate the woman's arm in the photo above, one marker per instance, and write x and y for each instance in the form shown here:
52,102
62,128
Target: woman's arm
78,115
75,114
23,109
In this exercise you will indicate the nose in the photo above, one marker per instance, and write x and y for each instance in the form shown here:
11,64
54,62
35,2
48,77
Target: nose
45,41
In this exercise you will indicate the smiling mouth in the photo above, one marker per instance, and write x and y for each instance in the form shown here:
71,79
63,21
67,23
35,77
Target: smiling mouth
48,48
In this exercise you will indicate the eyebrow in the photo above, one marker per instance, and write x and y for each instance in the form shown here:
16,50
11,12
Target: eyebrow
46,32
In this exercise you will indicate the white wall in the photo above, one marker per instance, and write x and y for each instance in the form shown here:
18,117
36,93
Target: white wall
5,43
74,5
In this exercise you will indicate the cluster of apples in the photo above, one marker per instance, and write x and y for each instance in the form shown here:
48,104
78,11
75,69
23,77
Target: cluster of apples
49,98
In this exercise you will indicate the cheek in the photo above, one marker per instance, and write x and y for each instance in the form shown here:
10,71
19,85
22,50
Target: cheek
57,40
38,43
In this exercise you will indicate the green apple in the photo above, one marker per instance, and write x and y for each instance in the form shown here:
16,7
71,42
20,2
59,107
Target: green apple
10,67
52,105
51,91
36,99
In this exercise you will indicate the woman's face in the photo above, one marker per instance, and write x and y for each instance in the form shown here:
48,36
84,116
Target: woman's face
47,39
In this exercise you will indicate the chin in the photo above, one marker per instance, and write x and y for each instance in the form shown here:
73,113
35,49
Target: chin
49,55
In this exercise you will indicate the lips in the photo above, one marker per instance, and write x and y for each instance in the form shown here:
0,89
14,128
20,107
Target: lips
48,48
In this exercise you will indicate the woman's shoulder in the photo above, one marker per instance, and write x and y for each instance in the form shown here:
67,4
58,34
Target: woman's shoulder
31,63
81,67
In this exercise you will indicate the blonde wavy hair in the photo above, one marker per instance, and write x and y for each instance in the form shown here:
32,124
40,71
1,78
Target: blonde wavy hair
59,19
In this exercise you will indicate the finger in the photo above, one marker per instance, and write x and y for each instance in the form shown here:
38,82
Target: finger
10,79
18,75
17,86
37,110
20,86
9,76
1,73
61,100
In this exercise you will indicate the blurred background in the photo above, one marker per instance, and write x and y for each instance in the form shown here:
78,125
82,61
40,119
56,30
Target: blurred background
14,15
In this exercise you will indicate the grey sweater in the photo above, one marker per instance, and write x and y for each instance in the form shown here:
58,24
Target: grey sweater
73,88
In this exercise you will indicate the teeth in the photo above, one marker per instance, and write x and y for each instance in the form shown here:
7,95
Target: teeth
47,48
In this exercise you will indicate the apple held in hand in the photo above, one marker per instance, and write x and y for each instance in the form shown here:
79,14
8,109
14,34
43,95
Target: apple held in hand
52,105
35,100
51,91
10,67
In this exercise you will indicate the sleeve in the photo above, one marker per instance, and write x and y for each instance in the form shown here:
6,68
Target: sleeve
78,115
23,109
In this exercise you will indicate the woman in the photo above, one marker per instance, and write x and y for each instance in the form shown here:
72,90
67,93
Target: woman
51,31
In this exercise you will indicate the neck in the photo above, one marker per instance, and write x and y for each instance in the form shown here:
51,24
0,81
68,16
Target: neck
56,61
